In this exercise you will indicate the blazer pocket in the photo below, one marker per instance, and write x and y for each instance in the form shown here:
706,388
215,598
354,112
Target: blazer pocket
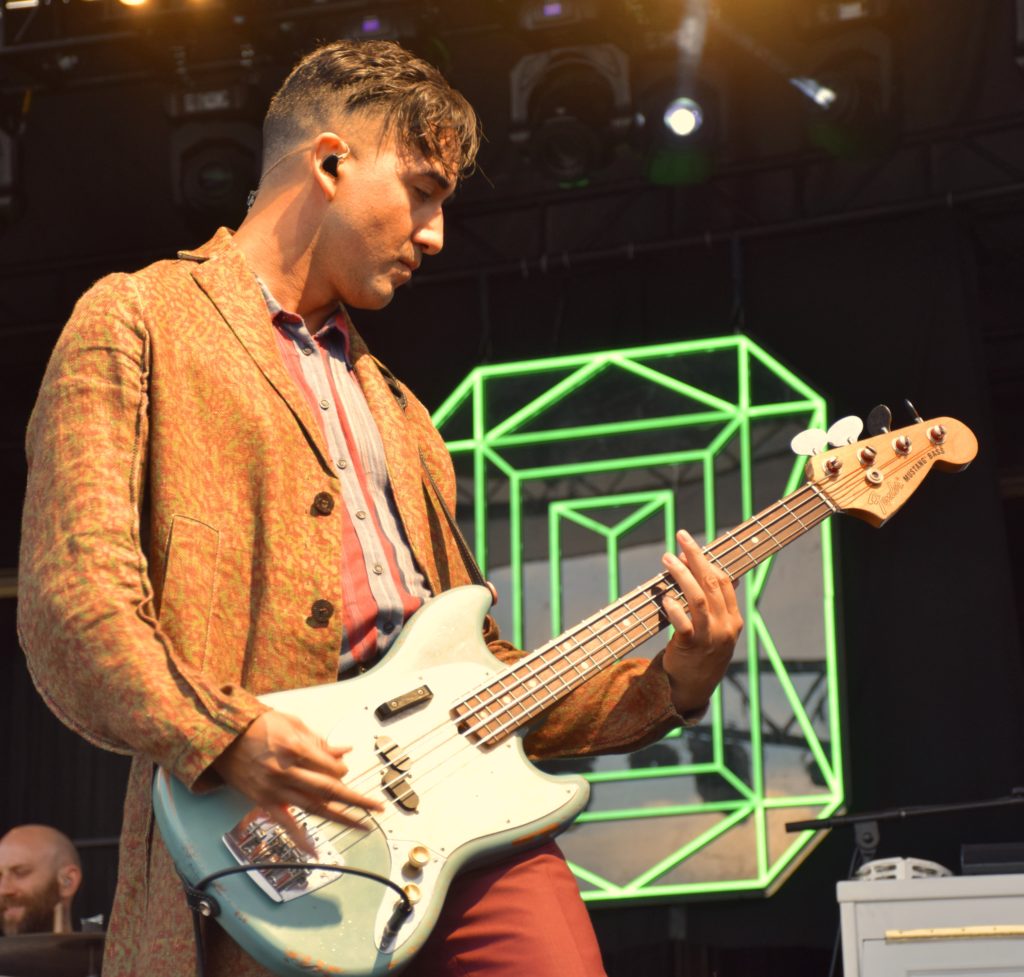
190,581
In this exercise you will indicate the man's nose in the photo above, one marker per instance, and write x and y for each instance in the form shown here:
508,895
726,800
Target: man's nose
430,236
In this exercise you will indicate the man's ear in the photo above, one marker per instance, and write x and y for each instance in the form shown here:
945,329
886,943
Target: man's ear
69,878
329,154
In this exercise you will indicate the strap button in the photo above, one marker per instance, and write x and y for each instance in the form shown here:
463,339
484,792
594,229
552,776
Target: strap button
324,503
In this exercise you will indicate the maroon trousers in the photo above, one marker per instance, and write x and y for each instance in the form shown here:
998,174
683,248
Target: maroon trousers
521,917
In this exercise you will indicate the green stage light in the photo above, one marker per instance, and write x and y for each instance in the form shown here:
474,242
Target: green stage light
574,473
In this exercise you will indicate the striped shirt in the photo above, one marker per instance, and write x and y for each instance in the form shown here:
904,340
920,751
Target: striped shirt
380,582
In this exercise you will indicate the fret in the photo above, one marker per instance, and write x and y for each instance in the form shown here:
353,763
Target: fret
712,557
734,537
763,528
824,498
785,505
596,636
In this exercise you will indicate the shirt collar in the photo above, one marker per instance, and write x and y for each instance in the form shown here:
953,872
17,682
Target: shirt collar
291,322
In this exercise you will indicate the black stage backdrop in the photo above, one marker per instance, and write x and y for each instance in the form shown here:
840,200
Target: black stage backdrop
869,308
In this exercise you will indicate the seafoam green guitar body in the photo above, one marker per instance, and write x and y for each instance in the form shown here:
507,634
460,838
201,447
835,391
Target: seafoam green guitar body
473,804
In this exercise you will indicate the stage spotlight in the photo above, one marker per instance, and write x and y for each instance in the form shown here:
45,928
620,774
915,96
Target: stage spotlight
683,116
851,85
569,108
394,24
215,152
215,176
822,96
133,3
685,130
535,15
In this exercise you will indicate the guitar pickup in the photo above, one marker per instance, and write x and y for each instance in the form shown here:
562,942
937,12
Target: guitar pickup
395,778
394,707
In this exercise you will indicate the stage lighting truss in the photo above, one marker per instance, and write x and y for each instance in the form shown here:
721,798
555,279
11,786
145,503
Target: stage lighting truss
573,474
569,106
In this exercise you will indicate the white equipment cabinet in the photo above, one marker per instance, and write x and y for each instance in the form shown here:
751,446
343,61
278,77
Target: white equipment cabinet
959,925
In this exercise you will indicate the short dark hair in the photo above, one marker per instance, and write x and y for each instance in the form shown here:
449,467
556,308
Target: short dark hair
411,95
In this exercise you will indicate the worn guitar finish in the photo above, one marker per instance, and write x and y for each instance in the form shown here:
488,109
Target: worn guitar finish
436,732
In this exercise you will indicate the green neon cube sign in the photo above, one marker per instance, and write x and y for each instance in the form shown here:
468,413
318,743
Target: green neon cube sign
574,473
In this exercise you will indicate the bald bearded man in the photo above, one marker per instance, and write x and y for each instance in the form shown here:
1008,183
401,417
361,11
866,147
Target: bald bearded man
40,872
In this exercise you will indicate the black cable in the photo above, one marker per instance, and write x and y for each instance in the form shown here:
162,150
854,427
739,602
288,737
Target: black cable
839,926
202,904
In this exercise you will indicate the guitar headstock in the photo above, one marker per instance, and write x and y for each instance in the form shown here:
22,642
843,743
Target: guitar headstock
871,479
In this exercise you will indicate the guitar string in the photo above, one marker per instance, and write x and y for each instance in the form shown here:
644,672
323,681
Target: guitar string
735,536
423,784
647,629
662,583
648,626
761,552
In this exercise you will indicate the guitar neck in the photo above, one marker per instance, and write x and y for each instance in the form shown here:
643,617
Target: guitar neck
536,682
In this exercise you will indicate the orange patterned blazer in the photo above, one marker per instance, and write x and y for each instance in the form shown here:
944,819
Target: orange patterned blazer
171,554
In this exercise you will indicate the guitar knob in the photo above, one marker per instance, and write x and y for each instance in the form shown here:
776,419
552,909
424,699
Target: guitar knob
901,445
412,892
867,455
937,434
417,859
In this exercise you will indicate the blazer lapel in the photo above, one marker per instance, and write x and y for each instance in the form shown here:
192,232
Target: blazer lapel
230,285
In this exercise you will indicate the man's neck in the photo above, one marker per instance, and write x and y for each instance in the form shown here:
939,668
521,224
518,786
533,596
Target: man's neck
282,258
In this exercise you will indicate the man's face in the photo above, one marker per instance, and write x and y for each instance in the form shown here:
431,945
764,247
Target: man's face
29,889
385,216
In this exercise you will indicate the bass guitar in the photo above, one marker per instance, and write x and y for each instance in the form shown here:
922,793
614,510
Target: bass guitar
436,732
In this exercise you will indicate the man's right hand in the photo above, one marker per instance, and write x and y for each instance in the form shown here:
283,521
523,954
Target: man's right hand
278,761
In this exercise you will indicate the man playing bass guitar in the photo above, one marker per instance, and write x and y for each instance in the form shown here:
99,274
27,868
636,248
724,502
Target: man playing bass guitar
228,496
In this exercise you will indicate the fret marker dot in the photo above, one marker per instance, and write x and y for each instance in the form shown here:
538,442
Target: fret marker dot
754,540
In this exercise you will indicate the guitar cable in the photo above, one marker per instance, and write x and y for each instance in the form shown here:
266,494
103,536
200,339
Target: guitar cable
205,906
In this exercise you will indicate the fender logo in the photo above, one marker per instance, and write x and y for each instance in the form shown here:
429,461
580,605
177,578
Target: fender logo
883,499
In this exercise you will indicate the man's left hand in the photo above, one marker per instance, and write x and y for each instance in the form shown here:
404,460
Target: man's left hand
701,648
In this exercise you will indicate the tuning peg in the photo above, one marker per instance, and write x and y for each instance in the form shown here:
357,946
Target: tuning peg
810,442
845,431
918,419
879,420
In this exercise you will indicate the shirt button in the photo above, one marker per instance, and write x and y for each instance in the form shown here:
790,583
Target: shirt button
324,405
323,503
307,350
342,464
378,569
360,514
322,611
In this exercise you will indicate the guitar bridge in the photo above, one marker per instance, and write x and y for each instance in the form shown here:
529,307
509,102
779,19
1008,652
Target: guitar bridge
258,838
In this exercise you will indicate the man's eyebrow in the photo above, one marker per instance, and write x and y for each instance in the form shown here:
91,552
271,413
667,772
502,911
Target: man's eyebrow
439,178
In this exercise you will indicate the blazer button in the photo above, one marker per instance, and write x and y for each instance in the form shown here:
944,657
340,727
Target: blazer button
323,503
322,611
